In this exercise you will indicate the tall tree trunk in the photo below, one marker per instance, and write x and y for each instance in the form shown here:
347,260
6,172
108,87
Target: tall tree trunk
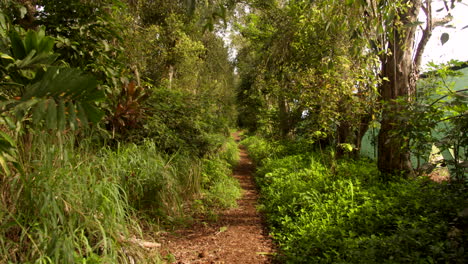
400,82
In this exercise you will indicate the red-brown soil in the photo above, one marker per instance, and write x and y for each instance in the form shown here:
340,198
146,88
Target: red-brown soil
238,236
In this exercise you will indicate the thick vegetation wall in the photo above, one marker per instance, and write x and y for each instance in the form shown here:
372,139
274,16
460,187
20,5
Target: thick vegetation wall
114,123
323,210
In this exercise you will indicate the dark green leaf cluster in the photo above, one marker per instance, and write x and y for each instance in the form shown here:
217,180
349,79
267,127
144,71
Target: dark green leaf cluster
34,89
346,214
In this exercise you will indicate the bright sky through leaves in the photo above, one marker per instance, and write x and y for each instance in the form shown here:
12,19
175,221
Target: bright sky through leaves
457,45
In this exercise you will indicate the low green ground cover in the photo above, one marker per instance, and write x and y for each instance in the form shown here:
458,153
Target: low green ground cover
324,211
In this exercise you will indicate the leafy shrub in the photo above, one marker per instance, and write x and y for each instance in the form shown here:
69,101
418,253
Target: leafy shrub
259,148
220,189
179,123
347,215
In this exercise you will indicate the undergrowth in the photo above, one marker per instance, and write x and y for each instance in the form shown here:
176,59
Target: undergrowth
84,205
219,189
325,211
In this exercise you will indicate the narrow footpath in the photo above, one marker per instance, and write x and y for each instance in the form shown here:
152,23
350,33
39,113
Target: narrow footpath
238,236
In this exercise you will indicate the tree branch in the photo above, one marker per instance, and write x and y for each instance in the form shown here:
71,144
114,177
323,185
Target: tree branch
427,33
442,21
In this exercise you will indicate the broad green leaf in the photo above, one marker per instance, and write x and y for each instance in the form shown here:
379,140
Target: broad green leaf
3,23
46,45
30,41
93,113
23,11
26,61
6,56
17,46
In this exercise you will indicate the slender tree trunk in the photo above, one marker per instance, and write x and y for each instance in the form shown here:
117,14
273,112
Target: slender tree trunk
399,72
345,134
171,75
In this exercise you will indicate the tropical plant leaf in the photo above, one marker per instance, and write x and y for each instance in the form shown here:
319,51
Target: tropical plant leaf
93,113
17,47
81,115
46,99
39,112
32,50
7,151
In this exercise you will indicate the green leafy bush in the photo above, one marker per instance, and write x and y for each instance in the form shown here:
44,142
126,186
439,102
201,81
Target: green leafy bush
347,215
259,148
180,122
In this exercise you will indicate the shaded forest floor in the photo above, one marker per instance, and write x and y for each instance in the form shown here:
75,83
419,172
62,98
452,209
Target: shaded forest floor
239,235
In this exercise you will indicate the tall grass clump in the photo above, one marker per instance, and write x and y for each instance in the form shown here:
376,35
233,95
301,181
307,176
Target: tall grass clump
82,204
156,184
341,212
66,208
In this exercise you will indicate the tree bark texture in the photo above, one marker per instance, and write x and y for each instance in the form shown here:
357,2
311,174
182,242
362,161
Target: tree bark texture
399,70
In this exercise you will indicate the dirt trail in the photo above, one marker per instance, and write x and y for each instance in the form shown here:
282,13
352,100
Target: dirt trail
237,237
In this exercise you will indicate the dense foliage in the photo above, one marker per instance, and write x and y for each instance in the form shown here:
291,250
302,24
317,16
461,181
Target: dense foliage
328,70
115,118
322,211
314,76
114,122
